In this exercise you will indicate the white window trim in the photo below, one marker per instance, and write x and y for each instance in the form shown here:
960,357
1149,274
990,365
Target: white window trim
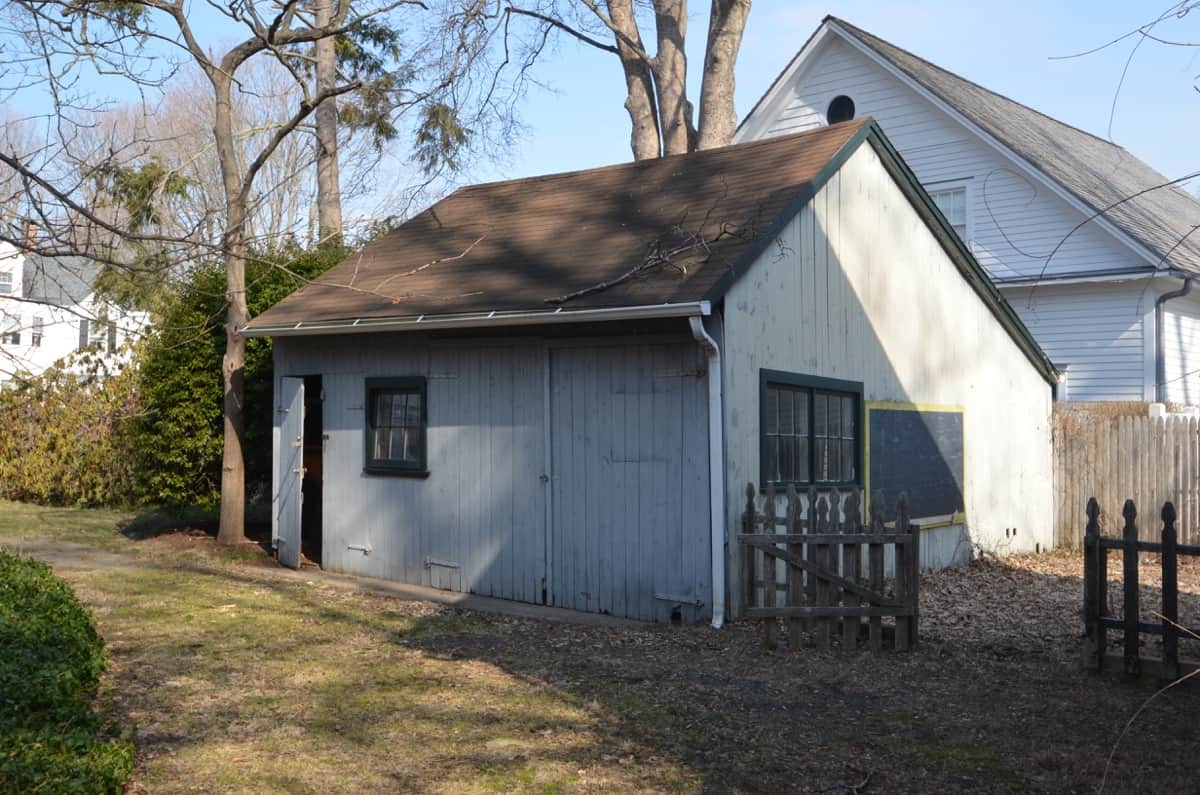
968,186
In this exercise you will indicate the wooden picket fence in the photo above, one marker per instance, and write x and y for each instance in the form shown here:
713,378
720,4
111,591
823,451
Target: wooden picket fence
1111,450
1097,621
822,547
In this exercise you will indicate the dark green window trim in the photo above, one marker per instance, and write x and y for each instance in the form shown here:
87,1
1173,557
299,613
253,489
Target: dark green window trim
813,384
377,466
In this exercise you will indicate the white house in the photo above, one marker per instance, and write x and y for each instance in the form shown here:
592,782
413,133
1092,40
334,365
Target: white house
1089,244
556,389
49,310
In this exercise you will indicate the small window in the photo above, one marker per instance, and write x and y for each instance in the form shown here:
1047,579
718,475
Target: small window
810,430
39,329
840,109
396,426
953,204
6,284
10,329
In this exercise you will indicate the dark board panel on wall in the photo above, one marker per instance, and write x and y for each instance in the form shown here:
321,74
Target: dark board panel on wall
919,452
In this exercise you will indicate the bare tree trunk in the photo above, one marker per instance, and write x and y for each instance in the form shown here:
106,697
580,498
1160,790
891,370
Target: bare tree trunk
329,192
232,527
670,77
718,117
639,83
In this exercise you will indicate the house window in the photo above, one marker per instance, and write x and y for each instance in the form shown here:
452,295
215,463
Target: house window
396,426
10,329
809,430
6,284
840,109
953,204
39,328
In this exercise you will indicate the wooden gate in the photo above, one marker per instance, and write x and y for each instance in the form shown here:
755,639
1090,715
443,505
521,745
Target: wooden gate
813,557
1097,621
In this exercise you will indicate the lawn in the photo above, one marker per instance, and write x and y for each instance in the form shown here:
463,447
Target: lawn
237,678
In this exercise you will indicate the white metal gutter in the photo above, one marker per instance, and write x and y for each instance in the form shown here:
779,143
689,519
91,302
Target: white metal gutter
716,468
477,320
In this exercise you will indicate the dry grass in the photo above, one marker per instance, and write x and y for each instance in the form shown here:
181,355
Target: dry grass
241,680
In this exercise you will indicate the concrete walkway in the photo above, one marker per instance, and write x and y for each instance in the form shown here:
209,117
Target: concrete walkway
69,556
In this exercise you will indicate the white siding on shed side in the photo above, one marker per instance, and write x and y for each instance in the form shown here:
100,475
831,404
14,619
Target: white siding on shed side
859,289
1181,344
1096,331
1016,223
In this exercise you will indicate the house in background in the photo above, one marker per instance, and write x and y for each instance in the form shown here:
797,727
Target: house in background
1089,244
49,310
556,390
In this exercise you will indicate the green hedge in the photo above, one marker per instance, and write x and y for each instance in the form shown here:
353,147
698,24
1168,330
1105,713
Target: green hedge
51,659
67,436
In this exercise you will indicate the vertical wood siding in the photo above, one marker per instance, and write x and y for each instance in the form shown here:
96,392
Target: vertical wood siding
630,479
629,476
859,289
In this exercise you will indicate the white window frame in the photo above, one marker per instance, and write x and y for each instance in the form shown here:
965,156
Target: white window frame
966,186
6,289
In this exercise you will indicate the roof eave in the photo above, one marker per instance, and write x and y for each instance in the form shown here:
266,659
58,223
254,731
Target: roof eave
493,319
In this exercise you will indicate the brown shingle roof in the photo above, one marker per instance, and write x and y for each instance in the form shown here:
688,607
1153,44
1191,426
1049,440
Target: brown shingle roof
518,245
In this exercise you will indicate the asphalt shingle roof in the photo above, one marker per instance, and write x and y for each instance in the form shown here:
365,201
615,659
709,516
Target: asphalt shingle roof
518,245
1099,173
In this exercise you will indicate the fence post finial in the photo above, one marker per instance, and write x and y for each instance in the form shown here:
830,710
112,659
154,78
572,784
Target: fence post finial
1129,512
1168,514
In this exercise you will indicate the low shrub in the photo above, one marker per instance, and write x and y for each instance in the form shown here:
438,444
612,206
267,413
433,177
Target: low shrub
51,659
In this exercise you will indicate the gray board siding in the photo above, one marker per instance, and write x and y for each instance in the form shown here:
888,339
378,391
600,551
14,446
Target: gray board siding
622,517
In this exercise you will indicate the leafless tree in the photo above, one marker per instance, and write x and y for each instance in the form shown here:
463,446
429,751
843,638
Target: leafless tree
61,49
662,117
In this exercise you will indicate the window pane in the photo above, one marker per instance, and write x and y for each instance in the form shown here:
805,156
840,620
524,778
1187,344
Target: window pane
787,458
802,413
771,421
787,424
822,450
847,460
802,473
835,416
820,416
848,422
772,457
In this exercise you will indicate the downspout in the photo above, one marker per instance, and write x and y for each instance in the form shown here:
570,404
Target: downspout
1160,361
716,467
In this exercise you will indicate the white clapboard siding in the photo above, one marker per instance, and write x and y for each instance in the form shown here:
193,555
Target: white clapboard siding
1015,222
1096,331
859,289
1181,349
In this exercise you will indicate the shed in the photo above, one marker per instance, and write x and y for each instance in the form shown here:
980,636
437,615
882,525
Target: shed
556,389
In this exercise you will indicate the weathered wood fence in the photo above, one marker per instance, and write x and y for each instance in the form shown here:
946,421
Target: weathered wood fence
1105,449
807,566
1097,621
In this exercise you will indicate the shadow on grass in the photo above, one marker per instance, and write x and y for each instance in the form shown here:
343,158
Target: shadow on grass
435,695
156,522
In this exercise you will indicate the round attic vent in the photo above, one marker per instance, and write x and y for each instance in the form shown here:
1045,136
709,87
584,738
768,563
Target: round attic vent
840,109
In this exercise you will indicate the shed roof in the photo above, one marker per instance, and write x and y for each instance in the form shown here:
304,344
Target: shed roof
1133,196
523,244
654,234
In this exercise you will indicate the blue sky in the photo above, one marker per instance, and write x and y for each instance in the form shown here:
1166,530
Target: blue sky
1005,46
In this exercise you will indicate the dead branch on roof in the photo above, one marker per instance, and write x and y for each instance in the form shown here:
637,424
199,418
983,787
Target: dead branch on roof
657,257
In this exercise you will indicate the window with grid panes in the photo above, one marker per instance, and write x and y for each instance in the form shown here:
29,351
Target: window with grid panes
810,430
396,425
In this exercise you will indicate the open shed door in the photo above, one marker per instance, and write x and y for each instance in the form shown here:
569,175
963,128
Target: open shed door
289,459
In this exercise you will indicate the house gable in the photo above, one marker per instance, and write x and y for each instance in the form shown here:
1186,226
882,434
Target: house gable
949,128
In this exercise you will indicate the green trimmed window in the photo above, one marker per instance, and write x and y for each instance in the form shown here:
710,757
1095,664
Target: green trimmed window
396,426
809,430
